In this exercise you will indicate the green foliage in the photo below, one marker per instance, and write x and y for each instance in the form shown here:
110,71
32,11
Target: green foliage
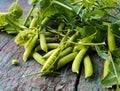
116,28
90,19
15,10
113,78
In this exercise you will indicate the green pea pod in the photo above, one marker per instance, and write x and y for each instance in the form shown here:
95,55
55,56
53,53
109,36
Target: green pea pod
77,47
43,44
37,48
48,54
33,22
65,52
38,58
61,26
111,40
110,37
50,60
52,39
77,61
29,47
72,39
52,45
49,45
87,39
49,34
66,59
106,68
44,21
88,68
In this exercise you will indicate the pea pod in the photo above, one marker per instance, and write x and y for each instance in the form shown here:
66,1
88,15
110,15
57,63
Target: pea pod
49,34
50,60
38,58
110,37
66,59
48,54
77,61
65,51
106,68
52,39
44,21
88,68
43,44
52,45
111,40
29,47
72,39
33,22
49,45
88,39
61,26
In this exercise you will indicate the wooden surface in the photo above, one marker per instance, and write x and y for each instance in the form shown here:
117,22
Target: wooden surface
10,76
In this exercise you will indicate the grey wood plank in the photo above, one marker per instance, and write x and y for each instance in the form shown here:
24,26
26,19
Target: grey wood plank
11,76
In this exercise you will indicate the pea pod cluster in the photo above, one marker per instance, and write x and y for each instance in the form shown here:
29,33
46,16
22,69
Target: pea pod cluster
62,32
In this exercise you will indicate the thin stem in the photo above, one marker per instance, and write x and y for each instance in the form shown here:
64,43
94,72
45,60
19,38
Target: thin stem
29,15
63,5
79,9
103,43
41,73
30,74
114,68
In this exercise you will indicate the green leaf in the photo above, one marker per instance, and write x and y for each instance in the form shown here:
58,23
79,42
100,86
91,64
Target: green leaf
61,8
88,3
113,77
116,28
95,15
106,3
116,52
86,31
10,29
100,53
15,10
52,7
110,79
48,11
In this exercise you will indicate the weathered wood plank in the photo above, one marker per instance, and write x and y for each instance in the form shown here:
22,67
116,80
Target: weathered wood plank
11,76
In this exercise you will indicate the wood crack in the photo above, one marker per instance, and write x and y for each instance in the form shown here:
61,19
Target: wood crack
78,78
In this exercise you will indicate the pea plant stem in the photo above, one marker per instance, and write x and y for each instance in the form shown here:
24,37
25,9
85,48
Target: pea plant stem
115,72
30,12
63,5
